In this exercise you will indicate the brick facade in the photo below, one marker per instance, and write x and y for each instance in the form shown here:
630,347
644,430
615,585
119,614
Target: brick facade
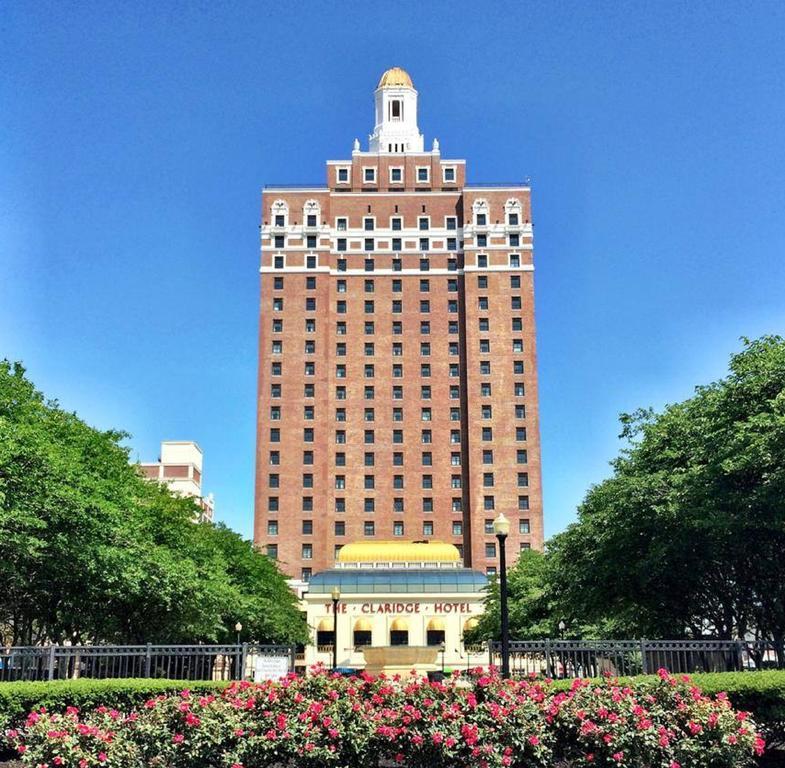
393,360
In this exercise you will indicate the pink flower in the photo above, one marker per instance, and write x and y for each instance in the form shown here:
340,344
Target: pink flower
534,741
177,738
618,756
102,757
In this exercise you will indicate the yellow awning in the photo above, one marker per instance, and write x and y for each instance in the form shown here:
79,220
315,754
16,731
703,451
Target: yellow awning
399,625
362,625
325,625
436,625
470,623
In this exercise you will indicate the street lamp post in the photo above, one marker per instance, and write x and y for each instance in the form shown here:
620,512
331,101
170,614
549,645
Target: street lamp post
562,627
336,595
238,628
238,654
501,527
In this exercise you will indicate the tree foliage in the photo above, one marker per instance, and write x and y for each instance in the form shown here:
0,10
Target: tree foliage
686,537
91,551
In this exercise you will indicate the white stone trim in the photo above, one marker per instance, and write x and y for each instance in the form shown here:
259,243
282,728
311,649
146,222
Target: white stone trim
395,273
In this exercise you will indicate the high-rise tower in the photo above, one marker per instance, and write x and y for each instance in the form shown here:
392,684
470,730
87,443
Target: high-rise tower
397,361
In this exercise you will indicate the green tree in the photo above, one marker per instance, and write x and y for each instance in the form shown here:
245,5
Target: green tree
91,551
687,535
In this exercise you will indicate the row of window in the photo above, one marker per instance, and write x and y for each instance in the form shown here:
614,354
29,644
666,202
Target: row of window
397,284
422,174
369,348
369,414
428,527
426,392
369,481
369,265
369,328
369,370
369,436
396,307
369,504
521,457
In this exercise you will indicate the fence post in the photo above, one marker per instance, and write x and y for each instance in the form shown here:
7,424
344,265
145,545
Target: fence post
739,656
292,658
242,661
644,660
548,666
147,661
51,662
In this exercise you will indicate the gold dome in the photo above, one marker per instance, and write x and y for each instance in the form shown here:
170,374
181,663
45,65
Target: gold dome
399,552
395,76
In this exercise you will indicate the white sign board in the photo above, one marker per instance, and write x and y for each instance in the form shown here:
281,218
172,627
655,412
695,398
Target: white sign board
269,667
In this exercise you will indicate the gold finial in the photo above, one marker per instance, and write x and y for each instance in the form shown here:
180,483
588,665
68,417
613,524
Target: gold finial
395,76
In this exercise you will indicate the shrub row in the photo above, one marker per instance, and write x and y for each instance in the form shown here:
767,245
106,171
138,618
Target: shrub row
18,699
476,720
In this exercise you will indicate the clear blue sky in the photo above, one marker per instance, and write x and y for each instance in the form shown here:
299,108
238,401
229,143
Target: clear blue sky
135,137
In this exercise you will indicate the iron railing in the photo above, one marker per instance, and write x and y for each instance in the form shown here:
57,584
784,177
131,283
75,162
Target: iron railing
168,662
594,658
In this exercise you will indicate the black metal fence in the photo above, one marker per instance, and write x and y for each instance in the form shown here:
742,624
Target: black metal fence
168,662
594,658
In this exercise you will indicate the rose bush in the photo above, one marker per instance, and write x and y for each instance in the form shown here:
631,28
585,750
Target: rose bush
474,719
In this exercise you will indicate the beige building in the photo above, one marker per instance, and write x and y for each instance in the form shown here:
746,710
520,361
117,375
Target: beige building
393,593
180,467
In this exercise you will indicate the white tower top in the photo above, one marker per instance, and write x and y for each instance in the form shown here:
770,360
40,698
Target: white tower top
396,128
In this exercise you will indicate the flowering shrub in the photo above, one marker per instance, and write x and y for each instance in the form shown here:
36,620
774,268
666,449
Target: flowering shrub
361,722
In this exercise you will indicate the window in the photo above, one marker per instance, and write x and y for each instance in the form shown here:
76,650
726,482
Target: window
272,551
424,246
274,481
488,503
485,367
369,437
452,244
452,347
340,505
398,482
427,504
368,327
275,458
455,391
515,260
449,173
457,505
523,526
523,479
487,412
278,283
425,370
275,413
425,414
452,306
275,390
275,435
340,437
455,436
368,393
423,223
487,457
397,392
490,550
310,242
397,436
485,389
369,505
457,528
451,222
369,459
310,304
368,224
343,175
272,504
398,528
517,324
369,414
515,302
425,392
397,306
396,174
278,241
487,433
272,528
455,459
368,246
369,307
482,261
340,459
277,305
520,411
340,245
427,528
397,414
397,459
522,456
396,223
427,482
340,414
369,371
487,479
423,174
340,528
517,345
523,502
482,303
369,175
512,219
308,527
368,482
520,434
340,393
340,481
425,326
427,459
340,224
426,436
342,265
488,529
277,325
369,527
280,220
483,324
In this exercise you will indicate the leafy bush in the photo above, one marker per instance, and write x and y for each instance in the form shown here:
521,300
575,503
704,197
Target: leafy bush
475,720
18,699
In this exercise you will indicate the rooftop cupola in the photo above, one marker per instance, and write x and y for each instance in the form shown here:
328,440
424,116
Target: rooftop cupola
396,128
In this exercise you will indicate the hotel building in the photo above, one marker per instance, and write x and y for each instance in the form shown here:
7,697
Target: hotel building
397,391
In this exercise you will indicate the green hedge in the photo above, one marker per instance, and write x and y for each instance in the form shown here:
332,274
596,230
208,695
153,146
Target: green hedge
18,699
